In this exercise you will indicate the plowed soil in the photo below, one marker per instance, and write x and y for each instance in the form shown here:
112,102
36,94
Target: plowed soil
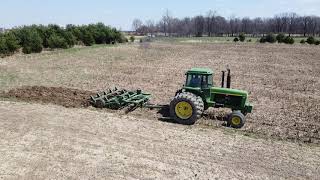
67,97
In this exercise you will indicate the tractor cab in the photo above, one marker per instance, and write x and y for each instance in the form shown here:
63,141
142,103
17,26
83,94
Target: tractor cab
199,78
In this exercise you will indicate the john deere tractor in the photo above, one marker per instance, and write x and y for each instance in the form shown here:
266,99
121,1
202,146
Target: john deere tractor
199,93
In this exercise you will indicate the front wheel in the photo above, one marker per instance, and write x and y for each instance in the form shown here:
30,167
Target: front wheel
186,108
236,120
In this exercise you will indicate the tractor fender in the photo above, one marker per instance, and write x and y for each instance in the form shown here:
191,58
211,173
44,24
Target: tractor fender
179,91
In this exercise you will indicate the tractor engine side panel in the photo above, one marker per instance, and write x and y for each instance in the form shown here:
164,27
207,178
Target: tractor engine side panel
229,98
226,100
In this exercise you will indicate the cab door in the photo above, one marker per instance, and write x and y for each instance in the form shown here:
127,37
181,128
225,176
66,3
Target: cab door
206,84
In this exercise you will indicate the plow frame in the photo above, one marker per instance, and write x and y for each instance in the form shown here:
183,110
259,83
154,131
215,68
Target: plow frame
119,99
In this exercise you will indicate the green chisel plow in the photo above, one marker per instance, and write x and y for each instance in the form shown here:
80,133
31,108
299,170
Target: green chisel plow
118,99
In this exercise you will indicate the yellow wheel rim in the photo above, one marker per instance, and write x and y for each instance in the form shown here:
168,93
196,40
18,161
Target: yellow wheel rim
184,110
236,120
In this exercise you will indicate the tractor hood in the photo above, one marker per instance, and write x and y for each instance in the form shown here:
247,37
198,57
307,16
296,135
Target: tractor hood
227,91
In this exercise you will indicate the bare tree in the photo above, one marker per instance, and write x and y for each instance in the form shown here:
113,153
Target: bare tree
210,22
317,31
314,25
199,24
221,26
292,23
232,25
136,24
166,22
278,23
215,25
246,25
143,30
187,26
151,26
257,26
284,22
305,24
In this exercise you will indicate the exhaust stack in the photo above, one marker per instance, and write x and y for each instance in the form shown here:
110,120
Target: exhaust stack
229,79
222,79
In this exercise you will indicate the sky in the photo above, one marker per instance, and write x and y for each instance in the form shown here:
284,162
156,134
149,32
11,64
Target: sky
121,13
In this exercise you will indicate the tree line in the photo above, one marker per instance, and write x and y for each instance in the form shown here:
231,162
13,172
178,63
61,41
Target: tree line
212,24
32,39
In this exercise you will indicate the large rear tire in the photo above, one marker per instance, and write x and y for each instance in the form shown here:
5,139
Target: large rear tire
186,108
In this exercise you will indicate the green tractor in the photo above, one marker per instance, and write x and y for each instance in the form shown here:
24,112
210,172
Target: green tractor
199,93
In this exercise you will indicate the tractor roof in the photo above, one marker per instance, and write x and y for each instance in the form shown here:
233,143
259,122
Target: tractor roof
203,71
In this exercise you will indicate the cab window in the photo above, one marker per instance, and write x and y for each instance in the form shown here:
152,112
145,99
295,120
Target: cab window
206,81
202,81
194,80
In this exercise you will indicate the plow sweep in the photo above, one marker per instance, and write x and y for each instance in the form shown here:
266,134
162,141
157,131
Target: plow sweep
119,99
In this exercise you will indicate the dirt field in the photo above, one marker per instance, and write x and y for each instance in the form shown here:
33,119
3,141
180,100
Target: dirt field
53,142
283,80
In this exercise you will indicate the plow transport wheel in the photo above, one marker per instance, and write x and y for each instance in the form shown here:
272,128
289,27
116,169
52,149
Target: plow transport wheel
100,103
186,108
